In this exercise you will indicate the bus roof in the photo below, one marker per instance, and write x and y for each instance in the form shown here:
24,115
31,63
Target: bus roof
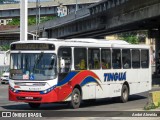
86,42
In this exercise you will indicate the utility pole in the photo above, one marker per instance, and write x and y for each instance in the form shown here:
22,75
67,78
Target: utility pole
39,6
76,8
23,20
37,27
76,5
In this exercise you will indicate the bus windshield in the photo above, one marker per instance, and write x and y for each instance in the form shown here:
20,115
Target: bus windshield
33,66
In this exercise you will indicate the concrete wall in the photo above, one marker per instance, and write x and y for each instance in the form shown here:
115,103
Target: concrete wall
4,58
1,58
4,61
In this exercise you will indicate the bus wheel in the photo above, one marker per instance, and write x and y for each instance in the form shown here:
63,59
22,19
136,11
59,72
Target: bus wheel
75,99
34,105
124,94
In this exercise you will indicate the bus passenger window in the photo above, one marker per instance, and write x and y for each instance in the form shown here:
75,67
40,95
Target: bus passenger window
144,58
136,58
80,58
64,57
116,58
126,58
93,58
105,58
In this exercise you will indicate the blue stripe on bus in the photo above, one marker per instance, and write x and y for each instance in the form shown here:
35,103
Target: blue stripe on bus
67,78
88,80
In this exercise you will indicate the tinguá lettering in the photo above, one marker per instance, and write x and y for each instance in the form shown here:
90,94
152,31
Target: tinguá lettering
115,76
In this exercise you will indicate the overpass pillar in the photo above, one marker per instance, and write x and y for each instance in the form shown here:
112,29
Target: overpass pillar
156,35
157,46
24,20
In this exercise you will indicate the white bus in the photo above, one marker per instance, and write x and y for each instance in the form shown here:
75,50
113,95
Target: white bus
77,69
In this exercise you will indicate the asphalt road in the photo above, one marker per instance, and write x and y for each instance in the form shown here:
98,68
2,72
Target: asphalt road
135,103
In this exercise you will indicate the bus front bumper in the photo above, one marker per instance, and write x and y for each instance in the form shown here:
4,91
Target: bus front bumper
34,97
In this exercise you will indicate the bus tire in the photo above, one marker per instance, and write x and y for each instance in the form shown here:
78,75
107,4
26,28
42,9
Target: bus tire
34,105
75,98
2,83
124,94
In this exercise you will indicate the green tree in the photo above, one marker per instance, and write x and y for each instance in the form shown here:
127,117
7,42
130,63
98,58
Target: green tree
15,21
31,20
130,37
134,37
4,47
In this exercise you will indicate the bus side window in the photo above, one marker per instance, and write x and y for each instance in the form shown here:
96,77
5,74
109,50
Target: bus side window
80,58
116,58
144,58
126,58
64,58
136,58
94,58
105,58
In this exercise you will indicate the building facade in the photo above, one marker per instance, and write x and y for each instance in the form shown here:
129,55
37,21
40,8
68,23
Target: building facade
5,21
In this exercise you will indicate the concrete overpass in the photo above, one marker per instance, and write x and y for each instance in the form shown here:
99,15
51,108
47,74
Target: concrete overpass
46,8
106,17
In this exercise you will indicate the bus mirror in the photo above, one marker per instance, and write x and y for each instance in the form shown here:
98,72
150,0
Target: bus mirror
62,63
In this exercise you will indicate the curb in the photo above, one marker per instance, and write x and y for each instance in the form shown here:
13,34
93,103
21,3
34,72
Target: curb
156,85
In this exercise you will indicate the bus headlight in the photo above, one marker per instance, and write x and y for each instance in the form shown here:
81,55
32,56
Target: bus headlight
47,90
13,90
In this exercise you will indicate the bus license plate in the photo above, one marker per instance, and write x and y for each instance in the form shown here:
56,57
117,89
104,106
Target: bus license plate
29,98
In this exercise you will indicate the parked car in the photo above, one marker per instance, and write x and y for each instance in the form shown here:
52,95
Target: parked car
5,77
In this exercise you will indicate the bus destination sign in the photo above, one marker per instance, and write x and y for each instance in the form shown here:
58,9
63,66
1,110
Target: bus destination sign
32,46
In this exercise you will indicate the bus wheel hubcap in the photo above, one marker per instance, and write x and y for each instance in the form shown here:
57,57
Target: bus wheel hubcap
76,98
125,94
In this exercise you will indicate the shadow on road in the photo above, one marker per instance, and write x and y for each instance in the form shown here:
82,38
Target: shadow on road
65,106
111,101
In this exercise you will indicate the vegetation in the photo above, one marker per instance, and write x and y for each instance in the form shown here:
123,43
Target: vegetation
31,20
15,21
133,37
151,106
4,47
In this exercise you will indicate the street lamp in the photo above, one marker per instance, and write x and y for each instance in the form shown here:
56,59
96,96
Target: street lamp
36,18
37,15
76,6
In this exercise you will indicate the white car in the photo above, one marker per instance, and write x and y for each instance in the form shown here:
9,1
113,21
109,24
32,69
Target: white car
5,77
